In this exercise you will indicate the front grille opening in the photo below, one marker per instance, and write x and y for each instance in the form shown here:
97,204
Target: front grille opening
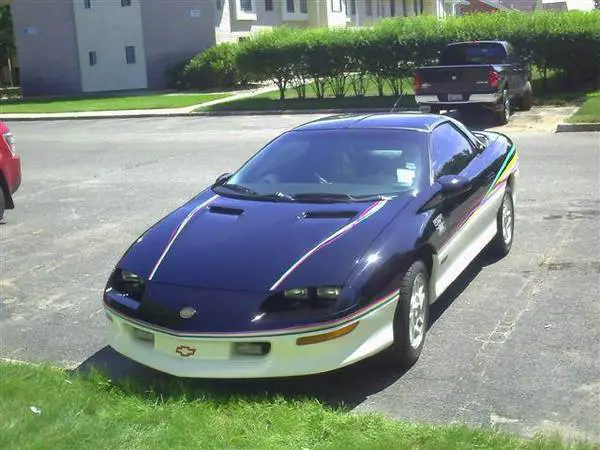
255,349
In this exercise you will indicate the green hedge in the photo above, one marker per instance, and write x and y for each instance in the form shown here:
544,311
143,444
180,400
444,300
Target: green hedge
347,60
10,93
215,67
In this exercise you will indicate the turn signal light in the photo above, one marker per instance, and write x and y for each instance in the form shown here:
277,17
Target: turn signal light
417,81
315,339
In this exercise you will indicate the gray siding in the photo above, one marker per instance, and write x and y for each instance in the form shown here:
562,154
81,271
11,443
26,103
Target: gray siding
47,54
171,35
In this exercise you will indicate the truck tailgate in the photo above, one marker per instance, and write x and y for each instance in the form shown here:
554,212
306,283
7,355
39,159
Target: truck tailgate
454,79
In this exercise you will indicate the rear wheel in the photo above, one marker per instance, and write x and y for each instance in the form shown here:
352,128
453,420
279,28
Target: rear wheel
503,112
502,242
411,316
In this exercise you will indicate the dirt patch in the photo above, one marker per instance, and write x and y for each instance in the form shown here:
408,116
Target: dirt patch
538,119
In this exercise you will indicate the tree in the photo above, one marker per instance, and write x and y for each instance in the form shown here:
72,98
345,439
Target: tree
7,38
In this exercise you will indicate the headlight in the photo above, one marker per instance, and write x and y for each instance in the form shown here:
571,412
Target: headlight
328,292
299,294
127,283
10,141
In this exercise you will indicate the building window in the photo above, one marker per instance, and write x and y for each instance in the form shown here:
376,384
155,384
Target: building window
93,58
336,5
422,6
353,7
87,4
304,6
130,54
369,7
290,6
219,6
268,5
416,6
393,8
246,5
125,3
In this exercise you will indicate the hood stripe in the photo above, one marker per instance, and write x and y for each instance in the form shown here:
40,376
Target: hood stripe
330,239
178,231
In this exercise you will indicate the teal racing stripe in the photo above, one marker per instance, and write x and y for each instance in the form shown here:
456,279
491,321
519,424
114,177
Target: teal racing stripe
512,150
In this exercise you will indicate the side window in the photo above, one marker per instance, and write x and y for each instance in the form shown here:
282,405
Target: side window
451,152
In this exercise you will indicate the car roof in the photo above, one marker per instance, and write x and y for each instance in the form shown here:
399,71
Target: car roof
412,121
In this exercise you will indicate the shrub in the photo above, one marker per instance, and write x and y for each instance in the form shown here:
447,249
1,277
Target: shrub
215,67
564,42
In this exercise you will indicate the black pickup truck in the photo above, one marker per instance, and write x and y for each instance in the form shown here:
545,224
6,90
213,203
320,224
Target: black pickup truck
480,73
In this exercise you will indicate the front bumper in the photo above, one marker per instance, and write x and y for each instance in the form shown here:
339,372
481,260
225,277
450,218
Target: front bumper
434,100
214,356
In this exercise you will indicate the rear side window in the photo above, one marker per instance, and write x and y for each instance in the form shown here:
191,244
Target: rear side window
451,152
474,53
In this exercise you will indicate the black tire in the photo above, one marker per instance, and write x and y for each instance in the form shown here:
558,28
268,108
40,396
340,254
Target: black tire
526,100
504,109
502,244
2,203
405,352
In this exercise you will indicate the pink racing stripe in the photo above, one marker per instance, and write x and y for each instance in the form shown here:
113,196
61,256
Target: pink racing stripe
178,231
330,239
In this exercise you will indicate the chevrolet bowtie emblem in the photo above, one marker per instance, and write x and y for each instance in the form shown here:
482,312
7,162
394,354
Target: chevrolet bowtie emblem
187,313
185,351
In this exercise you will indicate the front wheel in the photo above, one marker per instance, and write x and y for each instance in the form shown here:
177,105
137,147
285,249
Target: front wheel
411,316
526,100
502,242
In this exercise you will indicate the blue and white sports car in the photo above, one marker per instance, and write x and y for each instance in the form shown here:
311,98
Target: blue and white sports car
326,247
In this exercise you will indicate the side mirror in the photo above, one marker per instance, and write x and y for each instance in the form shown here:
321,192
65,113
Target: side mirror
454,185
223,178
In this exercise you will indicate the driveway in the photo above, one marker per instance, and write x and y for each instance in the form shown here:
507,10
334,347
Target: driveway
514,344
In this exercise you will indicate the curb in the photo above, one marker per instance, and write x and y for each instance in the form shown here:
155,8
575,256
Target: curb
299,111
94,117
201,113
577,127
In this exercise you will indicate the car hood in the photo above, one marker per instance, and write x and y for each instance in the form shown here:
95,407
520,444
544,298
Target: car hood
216,242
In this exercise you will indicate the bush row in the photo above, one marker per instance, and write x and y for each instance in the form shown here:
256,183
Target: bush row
347,59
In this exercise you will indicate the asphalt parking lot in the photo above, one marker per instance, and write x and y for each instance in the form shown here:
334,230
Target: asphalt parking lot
513,344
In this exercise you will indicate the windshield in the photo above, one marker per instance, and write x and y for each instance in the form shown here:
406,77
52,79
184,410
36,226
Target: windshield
473,53
343,164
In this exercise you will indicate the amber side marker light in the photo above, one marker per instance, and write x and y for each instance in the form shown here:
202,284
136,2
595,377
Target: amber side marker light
307,340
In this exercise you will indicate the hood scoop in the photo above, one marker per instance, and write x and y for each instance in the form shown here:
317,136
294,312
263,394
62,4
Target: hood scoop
329,214
225,210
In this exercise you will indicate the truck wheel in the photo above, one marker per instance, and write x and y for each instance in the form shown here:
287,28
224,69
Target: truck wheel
503,113
526,100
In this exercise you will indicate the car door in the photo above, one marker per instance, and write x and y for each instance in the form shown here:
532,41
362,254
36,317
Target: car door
457,228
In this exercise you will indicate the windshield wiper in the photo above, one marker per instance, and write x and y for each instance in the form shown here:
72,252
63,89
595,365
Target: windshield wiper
323,196
237,188
277,196
335,197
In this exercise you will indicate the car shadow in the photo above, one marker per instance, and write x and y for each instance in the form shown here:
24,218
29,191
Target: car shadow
476,119
343,388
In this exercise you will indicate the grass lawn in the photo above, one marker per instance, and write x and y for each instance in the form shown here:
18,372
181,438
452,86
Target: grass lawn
270,100
90,412
589,112
106,103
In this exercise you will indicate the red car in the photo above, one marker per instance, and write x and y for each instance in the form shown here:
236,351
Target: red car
10,169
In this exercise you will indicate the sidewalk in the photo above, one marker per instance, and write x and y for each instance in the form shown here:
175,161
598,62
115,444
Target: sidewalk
136,113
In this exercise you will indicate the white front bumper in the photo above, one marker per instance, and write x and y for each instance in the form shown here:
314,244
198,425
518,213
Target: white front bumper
214,356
